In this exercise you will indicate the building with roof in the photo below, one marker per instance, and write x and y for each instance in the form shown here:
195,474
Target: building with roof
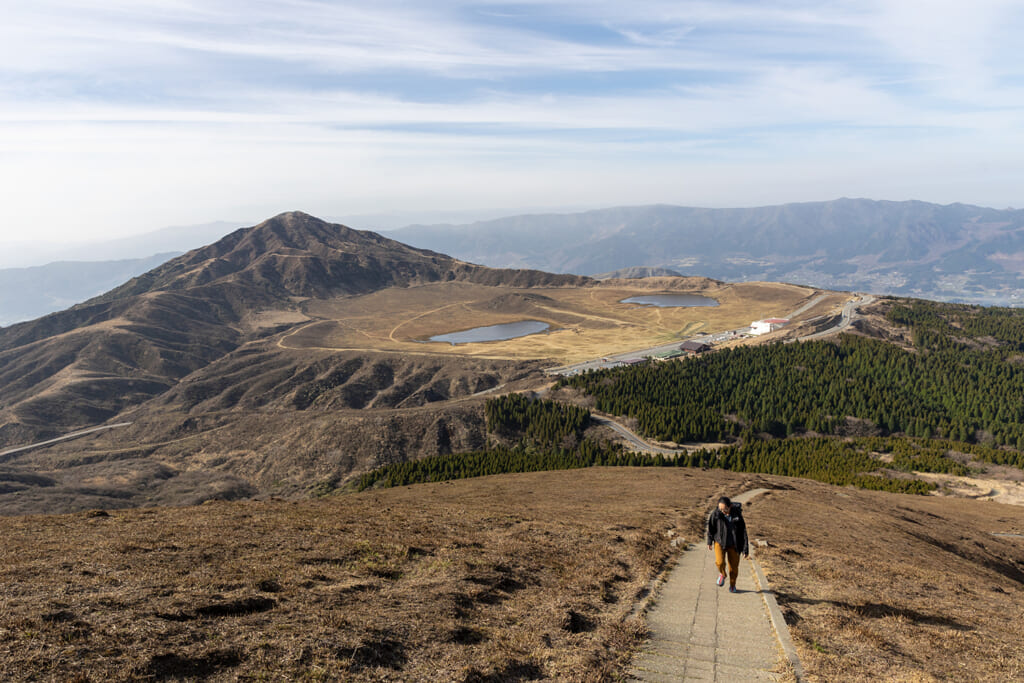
767,325
694,347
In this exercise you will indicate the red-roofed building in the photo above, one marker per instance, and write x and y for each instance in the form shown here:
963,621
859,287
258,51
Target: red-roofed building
767,325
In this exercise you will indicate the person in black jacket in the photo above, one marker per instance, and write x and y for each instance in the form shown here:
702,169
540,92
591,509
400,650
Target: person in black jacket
727,535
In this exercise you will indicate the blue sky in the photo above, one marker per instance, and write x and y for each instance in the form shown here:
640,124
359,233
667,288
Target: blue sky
122,116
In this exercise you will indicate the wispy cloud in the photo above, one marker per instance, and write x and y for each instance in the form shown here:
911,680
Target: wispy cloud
223,108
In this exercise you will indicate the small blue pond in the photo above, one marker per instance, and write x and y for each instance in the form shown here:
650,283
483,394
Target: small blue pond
493,332
671,300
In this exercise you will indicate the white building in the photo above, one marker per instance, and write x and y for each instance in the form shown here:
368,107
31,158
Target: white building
767,325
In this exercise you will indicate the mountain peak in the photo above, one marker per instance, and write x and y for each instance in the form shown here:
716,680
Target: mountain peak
290,254
289,230
298,221
295,254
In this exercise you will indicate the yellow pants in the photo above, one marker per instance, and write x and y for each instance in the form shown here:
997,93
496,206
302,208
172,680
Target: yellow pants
734,562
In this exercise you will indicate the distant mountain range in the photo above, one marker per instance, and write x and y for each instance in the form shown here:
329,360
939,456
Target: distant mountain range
637,272
954,253
176,239
28,293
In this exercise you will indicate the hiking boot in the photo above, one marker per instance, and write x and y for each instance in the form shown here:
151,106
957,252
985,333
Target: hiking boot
721,579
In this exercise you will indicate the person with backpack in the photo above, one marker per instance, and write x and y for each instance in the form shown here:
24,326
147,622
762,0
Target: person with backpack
727,536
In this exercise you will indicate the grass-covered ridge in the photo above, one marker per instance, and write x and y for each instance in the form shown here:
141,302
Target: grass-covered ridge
526,577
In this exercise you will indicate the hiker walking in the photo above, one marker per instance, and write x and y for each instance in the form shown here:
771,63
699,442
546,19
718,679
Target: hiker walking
727,535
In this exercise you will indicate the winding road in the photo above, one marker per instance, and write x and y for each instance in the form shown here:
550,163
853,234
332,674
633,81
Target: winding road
634,438
849,315
845,320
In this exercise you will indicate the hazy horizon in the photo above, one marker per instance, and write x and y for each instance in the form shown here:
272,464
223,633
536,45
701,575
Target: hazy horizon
21,253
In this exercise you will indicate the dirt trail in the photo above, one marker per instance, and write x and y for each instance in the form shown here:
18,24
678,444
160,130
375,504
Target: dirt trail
977,488
391,335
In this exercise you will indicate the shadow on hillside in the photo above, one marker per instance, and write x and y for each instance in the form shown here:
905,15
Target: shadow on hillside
172,666
979,553
513,672
871,610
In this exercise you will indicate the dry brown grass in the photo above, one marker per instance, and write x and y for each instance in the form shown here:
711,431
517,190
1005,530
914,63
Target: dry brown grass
507,578
502,578
586,322
885,587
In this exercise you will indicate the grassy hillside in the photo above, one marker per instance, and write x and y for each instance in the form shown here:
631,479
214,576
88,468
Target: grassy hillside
237,384
82,366
517,577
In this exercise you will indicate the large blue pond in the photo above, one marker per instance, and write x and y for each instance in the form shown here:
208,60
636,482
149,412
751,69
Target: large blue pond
521,328
671,300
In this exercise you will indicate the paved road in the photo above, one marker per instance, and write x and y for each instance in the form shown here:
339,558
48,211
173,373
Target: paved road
72,435
615,359
845,320
700,632
848,316
635,438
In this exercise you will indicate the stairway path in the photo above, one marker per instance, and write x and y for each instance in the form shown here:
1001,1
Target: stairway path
701,632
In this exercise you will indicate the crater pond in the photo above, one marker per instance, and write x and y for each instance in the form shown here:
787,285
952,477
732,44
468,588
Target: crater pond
490,333
671,300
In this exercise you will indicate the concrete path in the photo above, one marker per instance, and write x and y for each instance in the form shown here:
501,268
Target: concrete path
700,632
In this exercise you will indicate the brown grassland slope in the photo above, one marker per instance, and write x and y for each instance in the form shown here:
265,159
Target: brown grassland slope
880,586
84,365
505,578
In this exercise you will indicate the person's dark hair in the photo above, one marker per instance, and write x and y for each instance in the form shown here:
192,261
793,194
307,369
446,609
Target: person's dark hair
725,499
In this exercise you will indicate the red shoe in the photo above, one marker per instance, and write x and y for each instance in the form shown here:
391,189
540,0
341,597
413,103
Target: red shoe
721,580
